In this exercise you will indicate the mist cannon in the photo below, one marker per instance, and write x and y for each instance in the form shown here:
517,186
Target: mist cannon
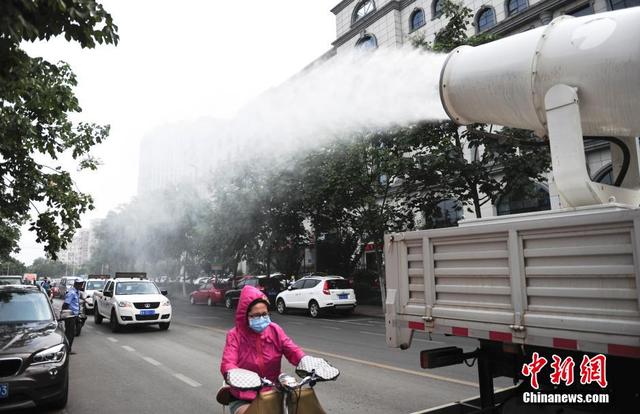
572,78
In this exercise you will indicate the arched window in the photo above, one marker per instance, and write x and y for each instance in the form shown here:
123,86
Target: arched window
486,19
437,8
362,9
417,19
367,42
537,199
516,6
604,175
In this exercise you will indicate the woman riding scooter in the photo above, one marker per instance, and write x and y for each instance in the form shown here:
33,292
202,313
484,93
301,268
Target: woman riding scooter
255,344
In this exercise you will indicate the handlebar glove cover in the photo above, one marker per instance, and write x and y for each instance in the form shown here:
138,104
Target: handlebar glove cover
323,370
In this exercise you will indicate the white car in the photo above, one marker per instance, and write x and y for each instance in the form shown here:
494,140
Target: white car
90,288
318,294
132,301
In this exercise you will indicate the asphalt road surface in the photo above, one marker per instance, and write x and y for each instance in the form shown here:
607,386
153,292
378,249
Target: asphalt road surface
144,370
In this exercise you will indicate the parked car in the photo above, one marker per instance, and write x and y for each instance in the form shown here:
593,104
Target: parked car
318,294
34,362
10,280
210,292
270,286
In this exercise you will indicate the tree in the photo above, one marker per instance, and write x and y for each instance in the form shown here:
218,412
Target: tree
36,101
502,164
12,266
47,268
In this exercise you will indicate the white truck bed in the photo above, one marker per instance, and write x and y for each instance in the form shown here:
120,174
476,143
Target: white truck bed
560,279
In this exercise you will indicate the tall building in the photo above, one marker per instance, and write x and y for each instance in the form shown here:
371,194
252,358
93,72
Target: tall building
79,251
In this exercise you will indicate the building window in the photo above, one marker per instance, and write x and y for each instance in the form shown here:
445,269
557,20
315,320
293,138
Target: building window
623,4
582,11
536,200
486,19
362,9
367,42
417,19
516,6
437,8
447,214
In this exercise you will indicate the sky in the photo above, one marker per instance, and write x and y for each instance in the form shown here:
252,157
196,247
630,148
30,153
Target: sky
178,61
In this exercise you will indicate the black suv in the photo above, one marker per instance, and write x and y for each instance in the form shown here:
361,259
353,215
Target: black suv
271,286
34,363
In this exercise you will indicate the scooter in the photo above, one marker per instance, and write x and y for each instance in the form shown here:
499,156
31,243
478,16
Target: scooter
288,396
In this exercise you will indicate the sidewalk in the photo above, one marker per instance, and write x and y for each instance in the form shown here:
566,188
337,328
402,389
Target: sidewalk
370,311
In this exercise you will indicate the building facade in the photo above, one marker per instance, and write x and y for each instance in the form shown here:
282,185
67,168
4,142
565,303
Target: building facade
383,23
79,251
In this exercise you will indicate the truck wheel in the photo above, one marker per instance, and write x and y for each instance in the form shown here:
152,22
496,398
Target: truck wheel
281,307
314,309
97,318
164,325
209,302
228,303
113,322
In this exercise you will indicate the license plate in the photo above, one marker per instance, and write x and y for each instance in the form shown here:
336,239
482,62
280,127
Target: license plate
343,296
4,390
147,312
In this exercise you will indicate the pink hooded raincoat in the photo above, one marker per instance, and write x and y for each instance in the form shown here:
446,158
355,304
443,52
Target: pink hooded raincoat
257,352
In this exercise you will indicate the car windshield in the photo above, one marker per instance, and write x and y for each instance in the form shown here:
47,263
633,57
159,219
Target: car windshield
95,284
136,288
338,284
23,307
10,280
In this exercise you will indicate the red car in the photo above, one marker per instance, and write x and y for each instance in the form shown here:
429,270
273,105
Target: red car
211,293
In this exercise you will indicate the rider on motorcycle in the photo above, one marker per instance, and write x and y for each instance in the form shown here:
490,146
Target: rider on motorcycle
256,344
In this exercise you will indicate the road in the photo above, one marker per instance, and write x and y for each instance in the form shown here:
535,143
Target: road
144,370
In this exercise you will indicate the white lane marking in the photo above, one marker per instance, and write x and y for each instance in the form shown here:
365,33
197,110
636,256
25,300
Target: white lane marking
152,361
330,327
372,333
128,348
187,380
112,339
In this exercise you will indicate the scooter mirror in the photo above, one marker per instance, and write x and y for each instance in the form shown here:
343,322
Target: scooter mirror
243,379
324,371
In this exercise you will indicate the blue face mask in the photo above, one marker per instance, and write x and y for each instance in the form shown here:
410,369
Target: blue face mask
259,324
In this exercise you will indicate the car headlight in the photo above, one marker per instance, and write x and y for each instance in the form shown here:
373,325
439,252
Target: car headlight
124,304
166,303
52,355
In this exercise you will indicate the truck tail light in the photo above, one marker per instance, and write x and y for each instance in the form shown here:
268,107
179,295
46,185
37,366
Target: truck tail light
325,288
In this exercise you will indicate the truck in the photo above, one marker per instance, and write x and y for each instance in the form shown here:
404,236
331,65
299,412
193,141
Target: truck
538,288
131,299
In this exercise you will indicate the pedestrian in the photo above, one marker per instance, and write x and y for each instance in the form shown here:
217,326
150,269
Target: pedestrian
256,344
46,285
72,306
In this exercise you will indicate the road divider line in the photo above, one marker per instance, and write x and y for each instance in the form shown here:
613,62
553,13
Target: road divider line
331,327
372,333
361,361
187,380
128,348
391,368
152,361
112,339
